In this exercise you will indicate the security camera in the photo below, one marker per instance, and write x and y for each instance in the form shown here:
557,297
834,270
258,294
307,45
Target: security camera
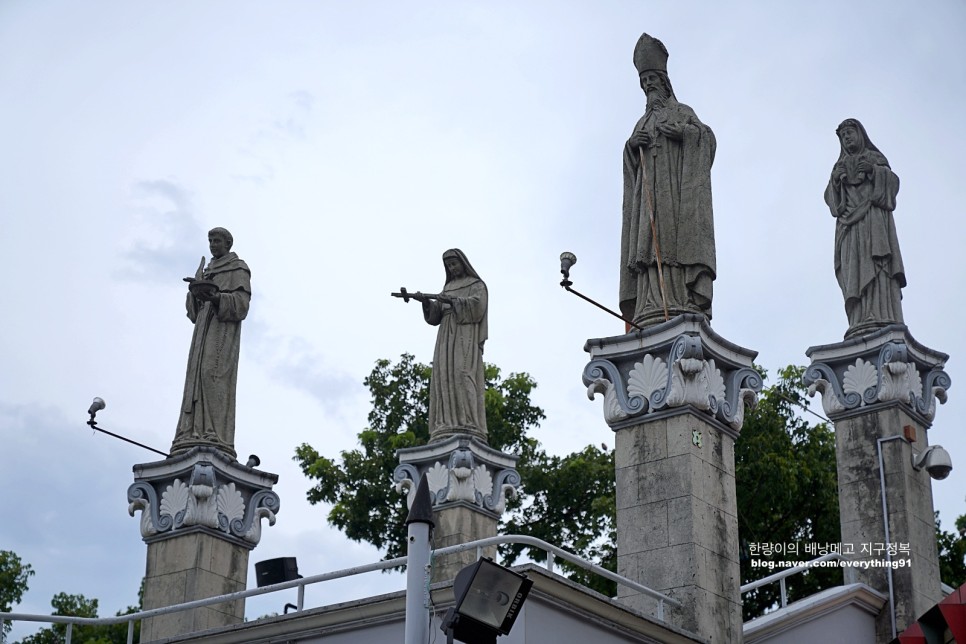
936,460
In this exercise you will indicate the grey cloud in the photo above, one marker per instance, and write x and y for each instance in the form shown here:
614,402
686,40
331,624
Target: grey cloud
170,249
296,362
303,99
66,508
290,125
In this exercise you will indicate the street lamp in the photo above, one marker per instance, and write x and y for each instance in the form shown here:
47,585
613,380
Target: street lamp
488,600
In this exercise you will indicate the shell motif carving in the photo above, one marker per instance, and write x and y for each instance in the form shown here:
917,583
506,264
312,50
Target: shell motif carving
231,508
438,478
860,377
219,507
891,376
174,502
648,377
482,483
464,479
716,384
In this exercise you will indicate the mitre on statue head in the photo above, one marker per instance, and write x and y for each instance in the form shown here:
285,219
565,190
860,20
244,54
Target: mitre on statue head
650,54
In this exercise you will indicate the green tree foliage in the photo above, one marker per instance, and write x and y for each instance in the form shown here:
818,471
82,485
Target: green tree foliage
569,501
952,553
364,505
13,582
81,606
75,606
787,490
358,485
566,500
785,478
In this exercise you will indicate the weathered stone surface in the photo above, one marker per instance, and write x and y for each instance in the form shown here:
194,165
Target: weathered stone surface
469,484
667,181
886,366
201,515
861,194
910,506
675,394
217,302
675,367
188,567
460,469
455,525
873,387
677,526
645,527
203,489
457,384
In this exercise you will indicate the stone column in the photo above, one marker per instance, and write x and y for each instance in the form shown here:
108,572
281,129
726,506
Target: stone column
675,395
880,390
201,515
469,483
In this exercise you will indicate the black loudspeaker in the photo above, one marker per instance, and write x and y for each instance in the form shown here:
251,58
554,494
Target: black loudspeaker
275,571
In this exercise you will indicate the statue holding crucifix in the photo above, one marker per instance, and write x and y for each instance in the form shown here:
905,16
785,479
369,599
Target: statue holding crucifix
667,240
457,386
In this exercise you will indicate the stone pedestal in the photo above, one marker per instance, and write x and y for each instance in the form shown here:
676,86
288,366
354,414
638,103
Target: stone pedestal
675,395
469,483
201,515
881,390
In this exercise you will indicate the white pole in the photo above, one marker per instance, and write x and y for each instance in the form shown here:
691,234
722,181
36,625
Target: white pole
417,614
419,524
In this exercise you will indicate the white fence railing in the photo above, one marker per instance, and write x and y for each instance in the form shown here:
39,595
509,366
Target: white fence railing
553,552
781,575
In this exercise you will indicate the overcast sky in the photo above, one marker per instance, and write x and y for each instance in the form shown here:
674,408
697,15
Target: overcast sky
346,146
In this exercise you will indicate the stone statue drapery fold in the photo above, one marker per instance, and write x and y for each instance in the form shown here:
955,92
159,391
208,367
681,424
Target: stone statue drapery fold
673,187
457,386
861,195
208,405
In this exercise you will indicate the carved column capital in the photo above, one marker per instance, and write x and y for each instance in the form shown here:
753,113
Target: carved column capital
878,369
671,368
202,490
460,471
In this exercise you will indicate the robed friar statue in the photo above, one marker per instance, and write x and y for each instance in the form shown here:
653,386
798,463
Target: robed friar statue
218,298
861,194
667,240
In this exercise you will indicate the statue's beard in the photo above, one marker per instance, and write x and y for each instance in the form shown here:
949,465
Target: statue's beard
656,98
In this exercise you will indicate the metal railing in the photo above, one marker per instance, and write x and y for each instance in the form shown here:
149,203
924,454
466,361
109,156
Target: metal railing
551,551
781,575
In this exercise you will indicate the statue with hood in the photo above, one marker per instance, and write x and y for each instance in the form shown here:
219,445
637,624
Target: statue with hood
217,302
667,239
861,194
457,384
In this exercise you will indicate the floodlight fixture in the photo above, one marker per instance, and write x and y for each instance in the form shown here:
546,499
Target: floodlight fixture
488,600
567,259
96,406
